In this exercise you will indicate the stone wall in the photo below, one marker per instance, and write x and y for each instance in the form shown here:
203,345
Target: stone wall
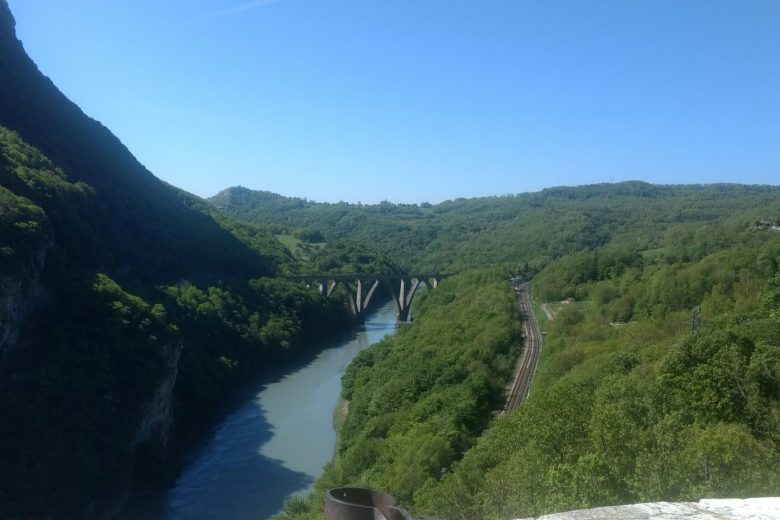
709,509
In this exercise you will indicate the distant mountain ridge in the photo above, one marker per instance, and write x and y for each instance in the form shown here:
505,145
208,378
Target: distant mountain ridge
527,230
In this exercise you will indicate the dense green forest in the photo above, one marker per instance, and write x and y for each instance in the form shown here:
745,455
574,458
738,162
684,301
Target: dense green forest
676,400
523,232
640,258
130,310
659,383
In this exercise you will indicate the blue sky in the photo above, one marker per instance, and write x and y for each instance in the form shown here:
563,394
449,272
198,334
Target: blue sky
422,100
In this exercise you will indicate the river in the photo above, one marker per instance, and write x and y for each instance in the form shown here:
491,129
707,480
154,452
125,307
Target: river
270,447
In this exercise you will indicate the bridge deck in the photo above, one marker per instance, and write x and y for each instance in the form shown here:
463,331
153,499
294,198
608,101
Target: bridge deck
360,276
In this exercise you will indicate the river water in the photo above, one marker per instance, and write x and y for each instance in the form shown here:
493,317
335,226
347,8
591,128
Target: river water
272,446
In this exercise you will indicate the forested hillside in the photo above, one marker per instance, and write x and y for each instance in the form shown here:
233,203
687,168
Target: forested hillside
659,382
128,308
524,232
676,400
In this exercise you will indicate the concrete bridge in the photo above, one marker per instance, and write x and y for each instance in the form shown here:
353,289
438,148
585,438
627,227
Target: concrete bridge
361,287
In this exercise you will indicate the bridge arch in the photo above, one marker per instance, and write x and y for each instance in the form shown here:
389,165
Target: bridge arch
361,288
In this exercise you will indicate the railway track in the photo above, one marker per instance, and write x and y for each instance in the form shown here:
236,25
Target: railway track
529,359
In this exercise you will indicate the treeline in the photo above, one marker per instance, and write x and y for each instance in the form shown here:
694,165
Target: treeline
524,232
419,399
390,231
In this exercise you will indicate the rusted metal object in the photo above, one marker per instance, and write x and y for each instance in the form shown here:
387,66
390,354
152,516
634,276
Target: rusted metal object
362,504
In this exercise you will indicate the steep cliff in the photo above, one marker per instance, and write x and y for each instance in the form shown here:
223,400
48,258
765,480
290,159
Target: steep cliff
20,294
128,308
157,419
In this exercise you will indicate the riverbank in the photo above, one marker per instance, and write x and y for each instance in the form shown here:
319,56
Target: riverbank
270,446
420,399
340,414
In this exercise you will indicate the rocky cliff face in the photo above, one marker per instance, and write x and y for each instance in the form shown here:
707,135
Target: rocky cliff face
157,422
21,292
155,429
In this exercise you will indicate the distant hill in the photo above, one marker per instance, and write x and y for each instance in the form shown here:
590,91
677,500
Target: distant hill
525,231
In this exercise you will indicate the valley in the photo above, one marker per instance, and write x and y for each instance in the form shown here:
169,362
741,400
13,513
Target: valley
164,355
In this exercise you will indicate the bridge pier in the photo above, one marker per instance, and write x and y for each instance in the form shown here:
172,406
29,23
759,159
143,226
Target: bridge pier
357,303
326,287
403,294
360,288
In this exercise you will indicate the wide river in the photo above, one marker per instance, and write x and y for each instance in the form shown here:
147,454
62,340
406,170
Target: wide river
270,447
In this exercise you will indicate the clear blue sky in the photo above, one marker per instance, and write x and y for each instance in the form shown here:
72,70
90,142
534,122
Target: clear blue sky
422,100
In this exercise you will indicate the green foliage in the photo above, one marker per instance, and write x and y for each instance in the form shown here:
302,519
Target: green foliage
102,332
131,269
527,231
419,399
38,204
309,235
654,410
23,228
696,418
350,257
617,414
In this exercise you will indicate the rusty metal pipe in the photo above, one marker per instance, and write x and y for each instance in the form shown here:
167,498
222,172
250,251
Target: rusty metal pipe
362,504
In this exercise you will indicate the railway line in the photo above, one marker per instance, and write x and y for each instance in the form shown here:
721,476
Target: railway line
529,359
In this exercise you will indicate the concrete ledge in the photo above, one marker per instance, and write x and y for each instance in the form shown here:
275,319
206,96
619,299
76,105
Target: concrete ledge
709,509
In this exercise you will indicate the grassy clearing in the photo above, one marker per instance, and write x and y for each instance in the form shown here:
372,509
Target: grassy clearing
299,249
587,308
